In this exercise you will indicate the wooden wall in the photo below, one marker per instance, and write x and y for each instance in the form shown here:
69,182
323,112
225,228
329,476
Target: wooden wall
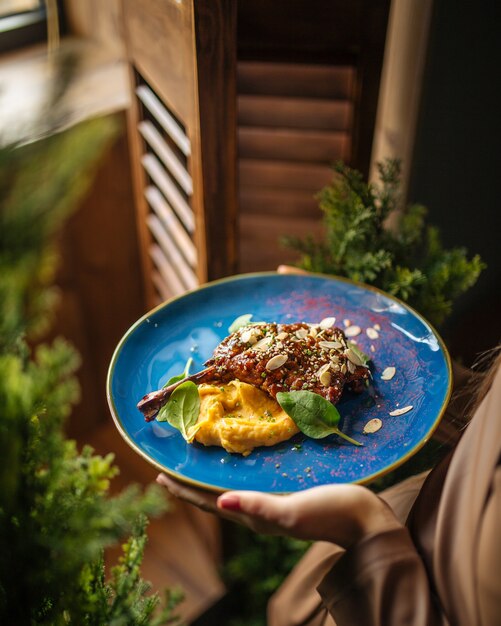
100,280
98,20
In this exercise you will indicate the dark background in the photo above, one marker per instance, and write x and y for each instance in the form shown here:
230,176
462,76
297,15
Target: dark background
457,166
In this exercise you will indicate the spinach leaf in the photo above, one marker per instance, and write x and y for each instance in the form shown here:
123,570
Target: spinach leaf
242,320
315,416
182,409
181,376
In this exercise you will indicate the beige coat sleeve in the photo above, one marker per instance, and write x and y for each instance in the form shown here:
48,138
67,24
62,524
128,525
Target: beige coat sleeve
488,565
381,581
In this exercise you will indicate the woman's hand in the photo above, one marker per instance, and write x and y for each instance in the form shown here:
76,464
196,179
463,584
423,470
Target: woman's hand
341,514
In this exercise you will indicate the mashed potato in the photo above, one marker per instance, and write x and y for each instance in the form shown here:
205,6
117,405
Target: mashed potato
239,417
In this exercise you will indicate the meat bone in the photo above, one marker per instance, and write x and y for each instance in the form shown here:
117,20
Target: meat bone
152,402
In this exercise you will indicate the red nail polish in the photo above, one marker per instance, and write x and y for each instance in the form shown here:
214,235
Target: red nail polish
229,502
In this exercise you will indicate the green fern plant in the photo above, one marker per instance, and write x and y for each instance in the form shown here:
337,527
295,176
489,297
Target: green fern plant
407,261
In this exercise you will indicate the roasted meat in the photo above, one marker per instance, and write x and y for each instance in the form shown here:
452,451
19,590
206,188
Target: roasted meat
278,357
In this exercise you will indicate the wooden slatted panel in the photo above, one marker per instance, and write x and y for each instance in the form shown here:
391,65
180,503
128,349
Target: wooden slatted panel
287,203
294,121
293,145
263,234
160,285
279,129
282,79
171,251
165,183
169,159
282,175
155,106
170,221
306,113
168,218
175,286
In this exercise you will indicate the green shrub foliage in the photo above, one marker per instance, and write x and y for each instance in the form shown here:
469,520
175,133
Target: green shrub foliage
256,569
56,514
406,259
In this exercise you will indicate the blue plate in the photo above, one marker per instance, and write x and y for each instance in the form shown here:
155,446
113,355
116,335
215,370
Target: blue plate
159,344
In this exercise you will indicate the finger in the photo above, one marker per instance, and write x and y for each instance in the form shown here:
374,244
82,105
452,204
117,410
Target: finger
202,499
290,269
172,485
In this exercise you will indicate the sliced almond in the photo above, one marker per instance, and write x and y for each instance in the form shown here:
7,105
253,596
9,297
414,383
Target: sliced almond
330,345
325,379
353,331
282,336
372,426
250,335
401,411
377,326
263,343
313,332
325,368
245,336
351,367
372,333
346,323
372,348
275,362
353,357
343,368
388,373
301,333
327,322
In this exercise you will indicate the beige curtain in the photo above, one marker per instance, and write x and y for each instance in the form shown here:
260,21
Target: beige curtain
401,82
